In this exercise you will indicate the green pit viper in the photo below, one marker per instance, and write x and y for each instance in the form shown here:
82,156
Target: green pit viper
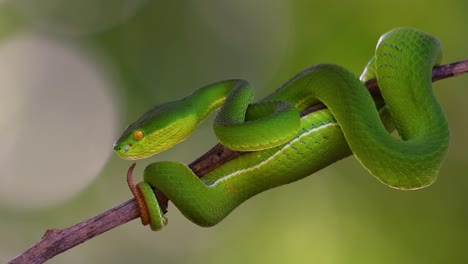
283,147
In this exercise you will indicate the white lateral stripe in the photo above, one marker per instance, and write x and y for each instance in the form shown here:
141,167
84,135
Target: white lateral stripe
265,162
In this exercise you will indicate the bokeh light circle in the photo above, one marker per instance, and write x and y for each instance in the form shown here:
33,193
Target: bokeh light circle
58,120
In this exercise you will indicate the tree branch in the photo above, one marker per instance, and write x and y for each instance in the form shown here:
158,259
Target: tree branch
56,241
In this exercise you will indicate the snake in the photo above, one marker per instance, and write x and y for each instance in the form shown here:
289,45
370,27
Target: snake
280,146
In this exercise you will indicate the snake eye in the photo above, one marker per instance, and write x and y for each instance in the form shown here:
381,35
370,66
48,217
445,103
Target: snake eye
138,135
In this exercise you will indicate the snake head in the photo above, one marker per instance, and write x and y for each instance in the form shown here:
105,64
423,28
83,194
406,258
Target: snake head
159,129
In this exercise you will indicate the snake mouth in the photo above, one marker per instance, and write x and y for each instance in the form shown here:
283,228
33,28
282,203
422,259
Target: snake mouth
125,151
122,150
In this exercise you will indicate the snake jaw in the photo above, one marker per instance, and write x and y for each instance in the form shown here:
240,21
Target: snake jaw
125,150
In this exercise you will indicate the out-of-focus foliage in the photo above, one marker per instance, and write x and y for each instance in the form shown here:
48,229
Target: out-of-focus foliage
74,73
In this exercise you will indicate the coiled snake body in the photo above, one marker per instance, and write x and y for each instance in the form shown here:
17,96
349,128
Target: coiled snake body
284,147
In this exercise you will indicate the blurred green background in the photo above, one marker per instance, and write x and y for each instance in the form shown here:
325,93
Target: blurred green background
75,73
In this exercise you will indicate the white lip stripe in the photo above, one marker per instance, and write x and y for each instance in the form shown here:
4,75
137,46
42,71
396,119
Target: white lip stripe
265,162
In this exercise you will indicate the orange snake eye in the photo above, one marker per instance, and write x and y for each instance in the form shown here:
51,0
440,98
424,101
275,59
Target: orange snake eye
138,135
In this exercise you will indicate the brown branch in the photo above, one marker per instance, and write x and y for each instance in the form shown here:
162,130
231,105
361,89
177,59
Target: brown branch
56,241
